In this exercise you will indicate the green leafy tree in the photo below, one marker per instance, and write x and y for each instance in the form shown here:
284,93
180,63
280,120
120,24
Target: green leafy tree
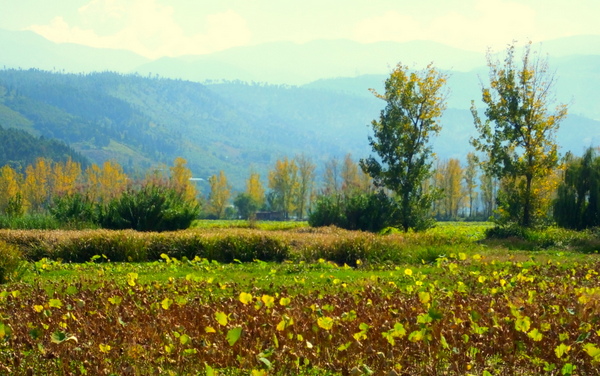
284,184
415,101
306,179
577,203
519,130
246,205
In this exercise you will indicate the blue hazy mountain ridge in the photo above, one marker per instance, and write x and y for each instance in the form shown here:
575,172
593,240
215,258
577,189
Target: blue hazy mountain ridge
162,111
26,49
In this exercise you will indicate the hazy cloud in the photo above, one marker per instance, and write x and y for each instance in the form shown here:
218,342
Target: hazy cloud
491,23
147,28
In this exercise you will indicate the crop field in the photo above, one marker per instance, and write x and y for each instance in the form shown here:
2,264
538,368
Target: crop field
472,307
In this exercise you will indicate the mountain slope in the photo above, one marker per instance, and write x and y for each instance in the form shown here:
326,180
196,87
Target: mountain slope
26,49
20,149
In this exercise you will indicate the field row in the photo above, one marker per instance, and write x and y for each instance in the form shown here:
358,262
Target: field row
463,314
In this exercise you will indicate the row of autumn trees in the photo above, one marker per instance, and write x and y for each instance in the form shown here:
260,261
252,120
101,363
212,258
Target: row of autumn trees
291,190
100,195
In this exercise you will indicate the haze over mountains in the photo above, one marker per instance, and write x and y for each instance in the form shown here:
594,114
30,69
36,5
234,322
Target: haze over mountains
235,109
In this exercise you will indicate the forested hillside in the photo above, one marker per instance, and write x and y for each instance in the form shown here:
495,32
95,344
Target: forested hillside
142,122
20,149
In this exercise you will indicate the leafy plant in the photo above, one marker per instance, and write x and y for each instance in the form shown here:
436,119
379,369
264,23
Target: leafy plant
12,264
152,207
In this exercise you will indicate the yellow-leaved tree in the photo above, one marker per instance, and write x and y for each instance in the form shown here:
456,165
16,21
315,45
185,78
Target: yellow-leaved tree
181,179
255,189
37,185
10,195
218,198
104,184
518,133
283,182
64,178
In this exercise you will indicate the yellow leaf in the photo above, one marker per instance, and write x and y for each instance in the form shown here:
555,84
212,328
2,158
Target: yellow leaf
245,297
284,301
268,300
210,329
104,348
38,308
166,303
424,297
408,272
221,318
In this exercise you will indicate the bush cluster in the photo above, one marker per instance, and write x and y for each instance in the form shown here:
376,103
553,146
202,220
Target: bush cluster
150,207
366,211
11,261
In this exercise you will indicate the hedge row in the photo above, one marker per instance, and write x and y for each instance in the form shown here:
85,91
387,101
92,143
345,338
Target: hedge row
222,245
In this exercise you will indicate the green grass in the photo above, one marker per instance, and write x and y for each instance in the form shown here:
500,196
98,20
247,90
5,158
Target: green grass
238,223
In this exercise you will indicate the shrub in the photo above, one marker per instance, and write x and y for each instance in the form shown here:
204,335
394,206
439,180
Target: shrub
74,210
11,262
152,207
367,212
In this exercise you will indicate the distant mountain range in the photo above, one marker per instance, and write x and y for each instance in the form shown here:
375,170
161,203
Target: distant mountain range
245,107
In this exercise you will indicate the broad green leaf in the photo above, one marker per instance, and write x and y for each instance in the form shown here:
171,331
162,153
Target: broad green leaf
59,337
535,335
568,369
284,301
325,322
4,330
233,335
71,290
245,297
209,370
416,336
54,303
221,318
115,300
592,351
444,342
561,350
523,324
399,330
344,346
184,339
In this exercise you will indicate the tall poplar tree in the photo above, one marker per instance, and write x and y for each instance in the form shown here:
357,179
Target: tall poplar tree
518,133
414,102
220,192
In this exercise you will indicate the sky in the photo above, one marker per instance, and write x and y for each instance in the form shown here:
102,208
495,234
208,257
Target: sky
157,28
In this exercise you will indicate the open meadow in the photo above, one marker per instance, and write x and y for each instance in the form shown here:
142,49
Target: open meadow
231,298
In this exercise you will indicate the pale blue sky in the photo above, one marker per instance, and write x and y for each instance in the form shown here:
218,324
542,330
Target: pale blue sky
155,28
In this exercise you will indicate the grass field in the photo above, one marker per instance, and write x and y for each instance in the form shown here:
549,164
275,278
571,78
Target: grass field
457,305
